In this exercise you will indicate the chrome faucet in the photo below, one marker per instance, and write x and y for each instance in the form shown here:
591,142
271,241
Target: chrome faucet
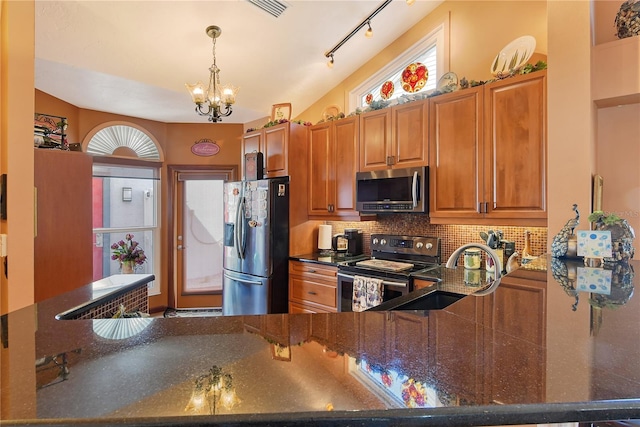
453,259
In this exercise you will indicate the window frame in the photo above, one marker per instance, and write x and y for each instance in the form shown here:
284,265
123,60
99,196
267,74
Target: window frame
439,37
154,286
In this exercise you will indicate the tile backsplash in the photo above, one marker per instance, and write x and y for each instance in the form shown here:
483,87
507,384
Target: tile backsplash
452,236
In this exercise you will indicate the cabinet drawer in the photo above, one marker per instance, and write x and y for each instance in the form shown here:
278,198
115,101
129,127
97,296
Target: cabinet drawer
295,308
306,290
309,269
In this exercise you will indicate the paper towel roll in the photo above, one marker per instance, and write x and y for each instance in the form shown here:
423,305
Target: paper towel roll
324,237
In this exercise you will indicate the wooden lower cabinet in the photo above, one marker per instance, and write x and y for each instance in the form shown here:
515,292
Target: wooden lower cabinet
407,333
312,287
457,349
517,320
491,350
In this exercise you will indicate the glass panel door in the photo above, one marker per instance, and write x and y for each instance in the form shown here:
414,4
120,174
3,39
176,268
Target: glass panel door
199,241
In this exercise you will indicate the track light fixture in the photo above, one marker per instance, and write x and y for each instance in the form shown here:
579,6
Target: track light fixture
410,2
365,22
330,62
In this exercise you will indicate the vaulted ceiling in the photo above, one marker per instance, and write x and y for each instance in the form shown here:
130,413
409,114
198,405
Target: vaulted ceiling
134,57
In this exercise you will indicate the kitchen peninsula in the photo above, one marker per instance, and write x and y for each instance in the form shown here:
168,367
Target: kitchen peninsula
535,350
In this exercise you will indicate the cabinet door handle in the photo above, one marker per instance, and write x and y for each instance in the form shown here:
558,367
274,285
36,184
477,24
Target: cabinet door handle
312,293
311,271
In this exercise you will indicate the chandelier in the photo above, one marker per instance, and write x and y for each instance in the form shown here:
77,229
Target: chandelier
211,101
213,389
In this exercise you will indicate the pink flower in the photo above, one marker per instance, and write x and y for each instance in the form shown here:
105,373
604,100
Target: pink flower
128,250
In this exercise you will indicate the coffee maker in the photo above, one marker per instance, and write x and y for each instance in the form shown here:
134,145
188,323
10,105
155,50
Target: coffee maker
349,243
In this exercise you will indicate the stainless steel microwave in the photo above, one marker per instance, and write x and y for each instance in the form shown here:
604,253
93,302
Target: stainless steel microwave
393,190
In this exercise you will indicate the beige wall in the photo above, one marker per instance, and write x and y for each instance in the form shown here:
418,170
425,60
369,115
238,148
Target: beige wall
478,31
16,151
617,156
175,141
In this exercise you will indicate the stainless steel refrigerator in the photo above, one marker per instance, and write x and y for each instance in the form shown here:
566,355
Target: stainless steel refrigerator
256,247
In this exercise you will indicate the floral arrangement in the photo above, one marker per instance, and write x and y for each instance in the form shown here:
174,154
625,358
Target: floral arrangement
128,250
604,218
280,121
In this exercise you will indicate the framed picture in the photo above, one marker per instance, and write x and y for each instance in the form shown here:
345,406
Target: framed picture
281,352
281,111
49,131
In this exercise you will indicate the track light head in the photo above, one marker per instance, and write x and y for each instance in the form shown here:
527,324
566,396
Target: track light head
330,62
369,33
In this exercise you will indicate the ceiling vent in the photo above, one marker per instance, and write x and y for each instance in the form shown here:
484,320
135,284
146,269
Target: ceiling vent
272,7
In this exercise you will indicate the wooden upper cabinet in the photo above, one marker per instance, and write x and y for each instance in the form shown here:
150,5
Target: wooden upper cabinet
333,160
394,137
375,140
515,146
319,168
488,153
409,124
276,145
456,162
251,143
274,142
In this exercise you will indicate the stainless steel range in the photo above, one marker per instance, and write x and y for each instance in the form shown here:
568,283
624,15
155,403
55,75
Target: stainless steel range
394,260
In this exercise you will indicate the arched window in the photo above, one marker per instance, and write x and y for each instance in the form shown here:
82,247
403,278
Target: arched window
432,51
123,140
125,196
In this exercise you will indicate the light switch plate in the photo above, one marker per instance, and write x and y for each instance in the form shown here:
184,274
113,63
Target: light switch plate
3,245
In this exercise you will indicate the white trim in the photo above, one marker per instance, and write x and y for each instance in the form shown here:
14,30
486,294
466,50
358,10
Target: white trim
439,36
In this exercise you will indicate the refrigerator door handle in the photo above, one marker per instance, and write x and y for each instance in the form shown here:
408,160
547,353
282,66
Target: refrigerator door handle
238,224
249,282
243,231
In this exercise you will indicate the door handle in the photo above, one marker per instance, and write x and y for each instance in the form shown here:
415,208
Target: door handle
249,282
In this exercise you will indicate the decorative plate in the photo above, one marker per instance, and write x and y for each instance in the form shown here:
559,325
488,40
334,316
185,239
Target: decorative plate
369,98
414,77
386,91
513,56
331,112
448,82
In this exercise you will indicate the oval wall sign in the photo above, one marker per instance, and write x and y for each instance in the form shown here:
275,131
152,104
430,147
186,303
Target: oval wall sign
205,147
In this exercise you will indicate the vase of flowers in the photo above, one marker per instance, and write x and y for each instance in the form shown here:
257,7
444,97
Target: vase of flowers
129,253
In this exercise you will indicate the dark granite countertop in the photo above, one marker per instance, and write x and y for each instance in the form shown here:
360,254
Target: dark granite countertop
535,350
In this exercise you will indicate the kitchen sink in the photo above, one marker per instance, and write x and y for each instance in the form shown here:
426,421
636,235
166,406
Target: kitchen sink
435,300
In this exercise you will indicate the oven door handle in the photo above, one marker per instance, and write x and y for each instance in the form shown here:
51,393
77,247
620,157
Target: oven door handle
384,282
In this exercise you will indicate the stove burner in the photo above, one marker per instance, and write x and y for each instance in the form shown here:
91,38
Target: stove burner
385,265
